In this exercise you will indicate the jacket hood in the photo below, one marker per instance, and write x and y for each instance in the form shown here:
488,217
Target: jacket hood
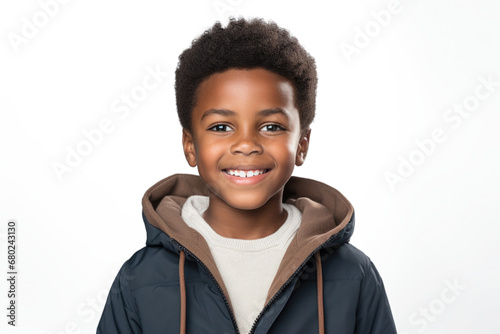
327,221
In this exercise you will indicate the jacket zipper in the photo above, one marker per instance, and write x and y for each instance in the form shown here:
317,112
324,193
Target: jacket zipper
299,269
233,320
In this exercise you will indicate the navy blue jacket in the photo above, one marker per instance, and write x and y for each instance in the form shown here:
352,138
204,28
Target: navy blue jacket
323,284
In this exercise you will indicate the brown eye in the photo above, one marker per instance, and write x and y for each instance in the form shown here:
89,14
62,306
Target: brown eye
272,127
220,127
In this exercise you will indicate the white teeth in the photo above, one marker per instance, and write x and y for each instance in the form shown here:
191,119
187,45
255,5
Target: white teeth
242,173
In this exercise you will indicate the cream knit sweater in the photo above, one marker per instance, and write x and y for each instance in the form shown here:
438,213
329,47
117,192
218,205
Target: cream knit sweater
247,267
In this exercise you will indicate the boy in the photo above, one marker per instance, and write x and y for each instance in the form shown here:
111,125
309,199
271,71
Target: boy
245,247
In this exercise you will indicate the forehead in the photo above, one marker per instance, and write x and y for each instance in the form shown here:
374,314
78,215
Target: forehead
247,89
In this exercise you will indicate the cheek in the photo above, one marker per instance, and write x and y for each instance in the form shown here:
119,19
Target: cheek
284,153
208,155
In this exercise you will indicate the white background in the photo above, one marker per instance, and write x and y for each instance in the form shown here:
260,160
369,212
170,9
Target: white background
438,225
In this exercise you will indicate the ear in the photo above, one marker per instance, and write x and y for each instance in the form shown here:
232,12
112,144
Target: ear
189,147
302,147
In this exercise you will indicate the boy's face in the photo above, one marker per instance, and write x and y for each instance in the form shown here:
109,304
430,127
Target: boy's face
245,123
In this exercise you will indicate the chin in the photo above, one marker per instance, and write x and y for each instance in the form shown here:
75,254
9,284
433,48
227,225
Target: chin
246,202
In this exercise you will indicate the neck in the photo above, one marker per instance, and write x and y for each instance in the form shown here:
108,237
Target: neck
234,223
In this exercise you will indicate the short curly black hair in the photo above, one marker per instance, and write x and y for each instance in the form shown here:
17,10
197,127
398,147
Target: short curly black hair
246,44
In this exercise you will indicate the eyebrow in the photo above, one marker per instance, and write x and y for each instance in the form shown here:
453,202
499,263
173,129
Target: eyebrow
230,113
222,112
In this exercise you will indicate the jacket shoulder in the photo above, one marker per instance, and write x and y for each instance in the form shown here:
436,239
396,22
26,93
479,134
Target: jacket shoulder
143,267
345,262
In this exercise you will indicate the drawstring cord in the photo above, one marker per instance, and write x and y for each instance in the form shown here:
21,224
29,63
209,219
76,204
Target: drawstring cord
182,283
319,277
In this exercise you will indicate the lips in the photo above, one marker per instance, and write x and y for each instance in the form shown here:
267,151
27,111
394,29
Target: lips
245,173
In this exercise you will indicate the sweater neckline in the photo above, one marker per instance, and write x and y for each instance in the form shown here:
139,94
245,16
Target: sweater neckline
192,214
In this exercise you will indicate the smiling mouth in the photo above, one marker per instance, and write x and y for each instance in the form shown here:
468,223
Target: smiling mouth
245,173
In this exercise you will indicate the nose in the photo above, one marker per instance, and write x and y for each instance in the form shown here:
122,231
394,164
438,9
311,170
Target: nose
246,143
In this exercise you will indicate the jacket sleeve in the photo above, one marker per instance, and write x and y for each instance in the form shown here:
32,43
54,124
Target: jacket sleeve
120,315
374,314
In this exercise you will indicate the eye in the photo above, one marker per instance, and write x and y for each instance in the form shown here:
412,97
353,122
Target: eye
272,128
220,128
